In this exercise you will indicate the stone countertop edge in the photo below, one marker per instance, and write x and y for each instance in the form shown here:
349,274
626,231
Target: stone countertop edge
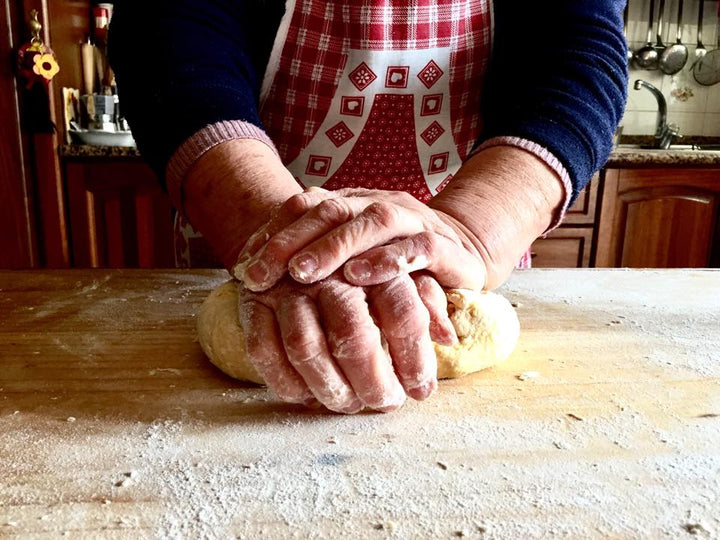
638,158
75,151
626,157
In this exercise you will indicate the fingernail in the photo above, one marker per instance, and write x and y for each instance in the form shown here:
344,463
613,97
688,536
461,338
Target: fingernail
312,403
423,390
303,267
358,269
256,273
392,403
354,407
238,269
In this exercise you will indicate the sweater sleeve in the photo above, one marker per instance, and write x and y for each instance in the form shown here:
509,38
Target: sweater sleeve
183,65
558,78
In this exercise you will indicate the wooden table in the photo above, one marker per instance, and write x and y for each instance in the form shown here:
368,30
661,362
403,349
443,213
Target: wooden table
112,423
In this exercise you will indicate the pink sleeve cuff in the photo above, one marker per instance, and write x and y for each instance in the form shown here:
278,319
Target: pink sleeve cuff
196,145
549,159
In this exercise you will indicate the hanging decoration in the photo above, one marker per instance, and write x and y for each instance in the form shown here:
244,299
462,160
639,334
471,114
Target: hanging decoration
36,61
37,65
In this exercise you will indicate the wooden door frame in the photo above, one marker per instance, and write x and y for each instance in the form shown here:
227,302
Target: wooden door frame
31,178
18,242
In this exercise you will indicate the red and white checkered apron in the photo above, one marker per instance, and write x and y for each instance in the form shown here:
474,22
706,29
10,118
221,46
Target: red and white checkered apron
377,93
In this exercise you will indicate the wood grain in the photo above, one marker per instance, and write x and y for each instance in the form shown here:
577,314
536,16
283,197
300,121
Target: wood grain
662,218
18,241
114,424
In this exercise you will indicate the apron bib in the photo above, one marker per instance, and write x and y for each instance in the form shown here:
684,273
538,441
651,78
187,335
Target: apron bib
378,94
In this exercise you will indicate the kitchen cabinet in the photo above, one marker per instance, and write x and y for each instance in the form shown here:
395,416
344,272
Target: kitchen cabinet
571,244
659,218
119,215
565,247
34,219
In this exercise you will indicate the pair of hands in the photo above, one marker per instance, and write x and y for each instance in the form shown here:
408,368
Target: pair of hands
329,273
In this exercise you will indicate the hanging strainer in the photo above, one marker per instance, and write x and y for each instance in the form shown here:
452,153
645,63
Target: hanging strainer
706,70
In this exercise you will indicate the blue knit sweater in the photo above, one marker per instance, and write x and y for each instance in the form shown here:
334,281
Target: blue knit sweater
558,75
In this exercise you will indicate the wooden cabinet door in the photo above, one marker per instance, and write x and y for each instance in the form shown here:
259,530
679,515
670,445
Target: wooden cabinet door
658,218
119,216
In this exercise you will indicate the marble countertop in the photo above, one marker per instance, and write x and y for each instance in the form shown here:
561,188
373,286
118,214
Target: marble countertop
626,156
79,151
633,156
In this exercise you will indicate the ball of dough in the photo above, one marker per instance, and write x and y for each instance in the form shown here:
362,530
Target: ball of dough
487,328
221,336
486,324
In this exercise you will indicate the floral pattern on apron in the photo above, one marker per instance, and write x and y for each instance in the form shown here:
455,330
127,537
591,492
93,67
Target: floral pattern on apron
377,94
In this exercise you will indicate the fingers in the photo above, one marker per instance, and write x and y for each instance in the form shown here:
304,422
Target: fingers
375,225
265,350
450,263
270,263
433,297
355,342
283,216
307,351
404,321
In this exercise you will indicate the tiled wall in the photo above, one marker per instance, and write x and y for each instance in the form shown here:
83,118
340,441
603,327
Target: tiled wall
695,108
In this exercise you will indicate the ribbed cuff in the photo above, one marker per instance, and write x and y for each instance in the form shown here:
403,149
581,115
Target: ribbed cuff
549,159
196,145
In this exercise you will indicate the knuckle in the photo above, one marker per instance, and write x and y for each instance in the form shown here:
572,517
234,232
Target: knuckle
354,344
424,285
274,248
300,347
297,204
426,243
405,312
384,213
334,211
305,358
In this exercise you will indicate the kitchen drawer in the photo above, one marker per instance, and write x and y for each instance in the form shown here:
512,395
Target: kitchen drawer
582,212
565,247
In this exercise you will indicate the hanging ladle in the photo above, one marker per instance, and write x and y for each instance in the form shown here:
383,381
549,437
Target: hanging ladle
673,58
630,53
647,57
700,49
659,45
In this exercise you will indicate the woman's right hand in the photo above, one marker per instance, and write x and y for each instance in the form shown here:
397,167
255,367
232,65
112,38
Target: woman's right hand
320,342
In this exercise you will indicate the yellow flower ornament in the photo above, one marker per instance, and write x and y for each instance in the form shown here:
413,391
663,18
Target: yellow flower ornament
45,65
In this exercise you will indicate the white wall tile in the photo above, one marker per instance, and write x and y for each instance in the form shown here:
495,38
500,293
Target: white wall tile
639,123
683,94
690,123
711,125
713,102
643,99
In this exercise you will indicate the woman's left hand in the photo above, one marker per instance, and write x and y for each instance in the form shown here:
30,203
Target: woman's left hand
379,234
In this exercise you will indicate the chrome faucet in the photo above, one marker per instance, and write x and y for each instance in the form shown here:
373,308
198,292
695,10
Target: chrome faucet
665,133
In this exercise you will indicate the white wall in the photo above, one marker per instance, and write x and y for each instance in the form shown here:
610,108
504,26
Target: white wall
699,114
